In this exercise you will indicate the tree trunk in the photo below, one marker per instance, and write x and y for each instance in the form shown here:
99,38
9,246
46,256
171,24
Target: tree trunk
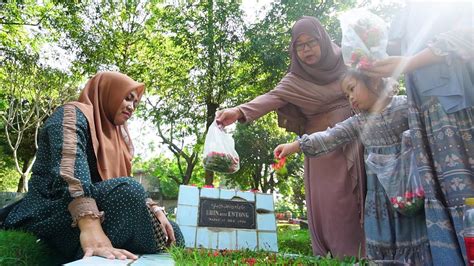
209,178
210,76
257,178
189,173
22,183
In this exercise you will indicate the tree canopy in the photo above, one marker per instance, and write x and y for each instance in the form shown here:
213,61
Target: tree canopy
195,57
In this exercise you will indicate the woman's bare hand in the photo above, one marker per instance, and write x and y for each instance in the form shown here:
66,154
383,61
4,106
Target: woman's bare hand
228,116
94,242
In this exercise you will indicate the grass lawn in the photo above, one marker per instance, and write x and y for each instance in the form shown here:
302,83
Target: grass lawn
18,248
295,241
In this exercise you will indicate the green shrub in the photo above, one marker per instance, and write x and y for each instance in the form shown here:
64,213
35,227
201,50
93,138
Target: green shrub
9,178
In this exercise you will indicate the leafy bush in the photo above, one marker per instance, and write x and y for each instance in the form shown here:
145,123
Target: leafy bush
285,204
9,178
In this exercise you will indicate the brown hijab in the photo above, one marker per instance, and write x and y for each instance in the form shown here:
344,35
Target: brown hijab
99,101
327,70
329,67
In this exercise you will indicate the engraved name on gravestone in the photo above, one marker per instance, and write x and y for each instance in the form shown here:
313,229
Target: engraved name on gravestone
226,213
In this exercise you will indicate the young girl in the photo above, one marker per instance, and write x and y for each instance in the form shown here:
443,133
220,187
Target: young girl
380,123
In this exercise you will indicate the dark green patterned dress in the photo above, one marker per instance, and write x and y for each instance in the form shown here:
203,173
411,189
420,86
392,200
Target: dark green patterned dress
127,221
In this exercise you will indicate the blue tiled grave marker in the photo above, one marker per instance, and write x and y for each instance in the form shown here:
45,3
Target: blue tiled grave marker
226,219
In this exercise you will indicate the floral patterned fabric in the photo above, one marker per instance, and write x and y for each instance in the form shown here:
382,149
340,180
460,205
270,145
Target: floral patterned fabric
445,160
440,98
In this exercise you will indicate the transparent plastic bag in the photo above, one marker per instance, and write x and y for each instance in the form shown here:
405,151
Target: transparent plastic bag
399,177
219,152
364,38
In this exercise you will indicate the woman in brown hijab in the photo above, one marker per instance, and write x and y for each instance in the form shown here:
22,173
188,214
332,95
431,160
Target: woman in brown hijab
81,199
309,99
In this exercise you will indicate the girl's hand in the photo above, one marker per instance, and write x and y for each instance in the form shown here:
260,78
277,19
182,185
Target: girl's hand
284,150
165,225
95,242
228,116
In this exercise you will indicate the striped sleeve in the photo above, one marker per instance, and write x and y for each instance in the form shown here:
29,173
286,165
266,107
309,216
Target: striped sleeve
73,168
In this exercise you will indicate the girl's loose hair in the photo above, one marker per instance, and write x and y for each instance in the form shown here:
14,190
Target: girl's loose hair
387,85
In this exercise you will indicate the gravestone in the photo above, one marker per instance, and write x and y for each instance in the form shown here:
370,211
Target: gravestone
226,219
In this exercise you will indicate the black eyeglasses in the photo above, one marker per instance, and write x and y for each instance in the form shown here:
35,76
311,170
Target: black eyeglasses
312,43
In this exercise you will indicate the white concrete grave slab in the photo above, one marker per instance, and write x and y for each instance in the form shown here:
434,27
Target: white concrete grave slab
163,259
217,218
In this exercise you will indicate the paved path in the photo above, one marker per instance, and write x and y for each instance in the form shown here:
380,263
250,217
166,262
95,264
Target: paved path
144,260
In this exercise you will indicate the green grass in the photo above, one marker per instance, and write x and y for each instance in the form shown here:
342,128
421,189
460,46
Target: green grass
294,241
248,257
294,249
20,248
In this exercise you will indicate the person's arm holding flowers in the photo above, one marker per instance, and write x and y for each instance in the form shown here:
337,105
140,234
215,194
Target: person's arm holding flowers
397,65
364,38
457,42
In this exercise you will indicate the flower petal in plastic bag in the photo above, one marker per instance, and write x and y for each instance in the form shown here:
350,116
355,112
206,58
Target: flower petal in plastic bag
399,176
364,38
219,152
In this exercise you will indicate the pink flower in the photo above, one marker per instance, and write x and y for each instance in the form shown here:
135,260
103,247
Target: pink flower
208,186
250,261
280,163
354,57
393,200
419,192
364,63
